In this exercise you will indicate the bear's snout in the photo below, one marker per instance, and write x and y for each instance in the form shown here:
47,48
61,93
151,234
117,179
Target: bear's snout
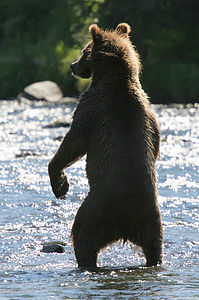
73,67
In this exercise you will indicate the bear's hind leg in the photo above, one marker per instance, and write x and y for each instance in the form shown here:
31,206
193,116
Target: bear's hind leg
153,254
152,244
83,236
88,234
85,251
150,238
88,244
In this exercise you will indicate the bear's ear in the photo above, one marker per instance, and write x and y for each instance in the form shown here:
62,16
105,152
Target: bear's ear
123,28
96,33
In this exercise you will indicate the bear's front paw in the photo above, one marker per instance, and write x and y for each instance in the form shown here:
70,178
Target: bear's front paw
60,185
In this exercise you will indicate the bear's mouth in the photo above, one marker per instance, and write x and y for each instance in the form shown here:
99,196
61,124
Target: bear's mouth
83,73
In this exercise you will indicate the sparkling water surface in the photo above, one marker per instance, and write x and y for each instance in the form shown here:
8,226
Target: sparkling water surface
31,216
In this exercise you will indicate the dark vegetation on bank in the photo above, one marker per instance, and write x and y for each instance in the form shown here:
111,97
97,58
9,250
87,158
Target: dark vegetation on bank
40,38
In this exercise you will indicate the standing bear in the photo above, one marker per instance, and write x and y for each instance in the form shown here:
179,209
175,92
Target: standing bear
115,127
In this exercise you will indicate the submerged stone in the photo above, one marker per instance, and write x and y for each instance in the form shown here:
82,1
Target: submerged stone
25,153
53,247
57,124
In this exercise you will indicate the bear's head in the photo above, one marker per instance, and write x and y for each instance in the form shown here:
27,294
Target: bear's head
82,67
107,51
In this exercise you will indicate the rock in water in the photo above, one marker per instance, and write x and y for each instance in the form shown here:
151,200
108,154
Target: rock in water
53,247
43,90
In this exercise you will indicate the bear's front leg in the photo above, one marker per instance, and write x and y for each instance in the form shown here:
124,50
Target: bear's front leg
71,149
58,181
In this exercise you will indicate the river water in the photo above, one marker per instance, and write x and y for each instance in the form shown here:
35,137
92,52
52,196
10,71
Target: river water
31,216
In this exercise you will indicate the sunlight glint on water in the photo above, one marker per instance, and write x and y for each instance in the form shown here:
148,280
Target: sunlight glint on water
31,216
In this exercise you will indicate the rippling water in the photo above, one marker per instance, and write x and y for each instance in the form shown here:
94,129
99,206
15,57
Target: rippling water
31,216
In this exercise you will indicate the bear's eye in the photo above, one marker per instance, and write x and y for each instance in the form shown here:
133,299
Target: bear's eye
86,51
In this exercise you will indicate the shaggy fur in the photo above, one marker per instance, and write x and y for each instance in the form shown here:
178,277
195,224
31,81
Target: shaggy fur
115,127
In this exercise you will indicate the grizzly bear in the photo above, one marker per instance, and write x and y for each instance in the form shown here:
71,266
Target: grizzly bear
114,126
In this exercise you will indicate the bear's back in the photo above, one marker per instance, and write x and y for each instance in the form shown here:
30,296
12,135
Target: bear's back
117,147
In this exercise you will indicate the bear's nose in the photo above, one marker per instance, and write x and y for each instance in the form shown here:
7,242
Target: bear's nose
72,66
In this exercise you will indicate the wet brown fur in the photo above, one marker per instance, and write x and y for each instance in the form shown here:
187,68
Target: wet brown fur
115,127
